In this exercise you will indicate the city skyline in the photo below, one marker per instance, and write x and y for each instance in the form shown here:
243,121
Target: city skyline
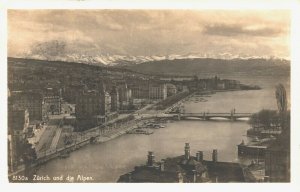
203,33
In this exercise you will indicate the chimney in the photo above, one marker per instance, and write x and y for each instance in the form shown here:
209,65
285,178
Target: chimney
215,155
162,165
150,158
194,176
187,151
179,177
129,177
199,156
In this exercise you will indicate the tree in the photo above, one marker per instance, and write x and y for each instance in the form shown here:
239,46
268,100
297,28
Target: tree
264,118
280,94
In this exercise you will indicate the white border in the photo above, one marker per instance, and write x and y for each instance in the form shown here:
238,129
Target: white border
156,4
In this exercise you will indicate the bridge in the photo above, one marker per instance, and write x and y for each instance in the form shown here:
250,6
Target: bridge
208,116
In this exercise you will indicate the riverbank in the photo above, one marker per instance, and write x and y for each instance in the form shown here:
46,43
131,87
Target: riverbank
101,135
92,137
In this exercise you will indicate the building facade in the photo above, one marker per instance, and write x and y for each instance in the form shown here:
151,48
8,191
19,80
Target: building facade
18,122
114,100
32,101
171,90
105,103
158,91
88,104
125,96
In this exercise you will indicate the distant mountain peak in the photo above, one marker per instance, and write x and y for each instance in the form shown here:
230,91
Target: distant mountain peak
120,60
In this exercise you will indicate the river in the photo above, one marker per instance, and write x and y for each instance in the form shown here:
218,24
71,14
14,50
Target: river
105,162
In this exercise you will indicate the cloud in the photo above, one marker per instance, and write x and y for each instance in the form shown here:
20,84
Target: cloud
237,30
148,32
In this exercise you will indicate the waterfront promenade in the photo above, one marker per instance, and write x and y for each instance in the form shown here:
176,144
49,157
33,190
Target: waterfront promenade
48,142
99,134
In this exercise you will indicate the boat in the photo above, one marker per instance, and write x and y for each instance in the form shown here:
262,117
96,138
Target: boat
64,154
140,131
256,139
154,126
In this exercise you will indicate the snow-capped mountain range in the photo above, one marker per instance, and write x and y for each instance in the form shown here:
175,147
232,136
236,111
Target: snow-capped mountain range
113,60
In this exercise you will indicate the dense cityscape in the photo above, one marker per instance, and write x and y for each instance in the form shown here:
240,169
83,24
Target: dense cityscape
53,111
148,96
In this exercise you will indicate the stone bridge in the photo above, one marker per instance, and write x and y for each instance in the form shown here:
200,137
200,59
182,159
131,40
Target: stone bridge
208,116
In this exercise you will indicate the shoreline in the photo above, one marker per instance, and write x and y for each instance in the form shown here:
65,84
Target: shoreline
31,170
99,139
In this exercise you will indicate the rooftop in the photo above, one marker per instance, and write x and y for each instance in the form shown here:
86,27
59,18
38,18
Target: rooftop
186,168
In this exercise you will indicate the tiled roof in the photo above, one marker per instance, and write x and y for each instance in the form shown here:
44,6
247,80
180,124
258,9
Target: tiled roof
225,171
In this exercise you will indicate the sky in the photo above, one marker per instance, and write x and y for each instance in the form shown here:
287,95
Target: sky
259,33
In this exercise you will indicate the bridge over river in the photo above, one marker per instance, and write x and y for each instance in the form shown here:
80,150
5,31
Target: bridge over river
208,116
233,116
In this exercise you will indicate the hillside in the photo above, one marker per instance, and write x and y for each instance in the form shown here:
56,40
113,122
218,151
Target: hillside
215,66
22,63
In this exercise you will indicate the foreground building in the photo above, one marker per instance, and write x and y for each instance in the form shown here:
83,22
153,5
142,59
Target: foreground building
30,100
18,122
187,169
94,108
277,159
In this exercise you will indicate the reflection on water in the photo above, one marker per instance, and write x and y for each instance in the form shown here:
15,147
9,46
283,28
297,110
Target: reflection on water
107,161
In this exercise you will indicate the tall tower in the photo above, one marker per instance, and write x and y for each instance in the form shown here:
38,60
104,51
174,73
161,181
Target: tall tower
187,151
151,159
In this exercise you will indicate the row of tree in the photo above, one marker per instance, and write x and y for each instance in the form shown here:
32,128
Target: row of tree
270,119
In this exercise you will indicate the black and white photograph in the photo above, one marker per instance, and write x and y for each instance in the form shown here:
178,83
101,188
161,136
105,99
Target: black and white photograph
148,96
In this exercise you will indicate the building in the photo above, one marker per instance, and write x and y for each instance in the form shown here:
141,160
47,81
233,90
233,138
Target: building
231,84
187,169
52,105
114,100
157,91
70,92
105,103
125,96
52,101
30,100
88,104
252,150
277,164
221,85
94,108
139,89
277,159
18,122
171,90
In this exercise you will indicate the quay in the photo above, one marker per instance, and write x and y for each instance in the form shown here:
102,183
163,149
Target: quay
98,135
255,148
